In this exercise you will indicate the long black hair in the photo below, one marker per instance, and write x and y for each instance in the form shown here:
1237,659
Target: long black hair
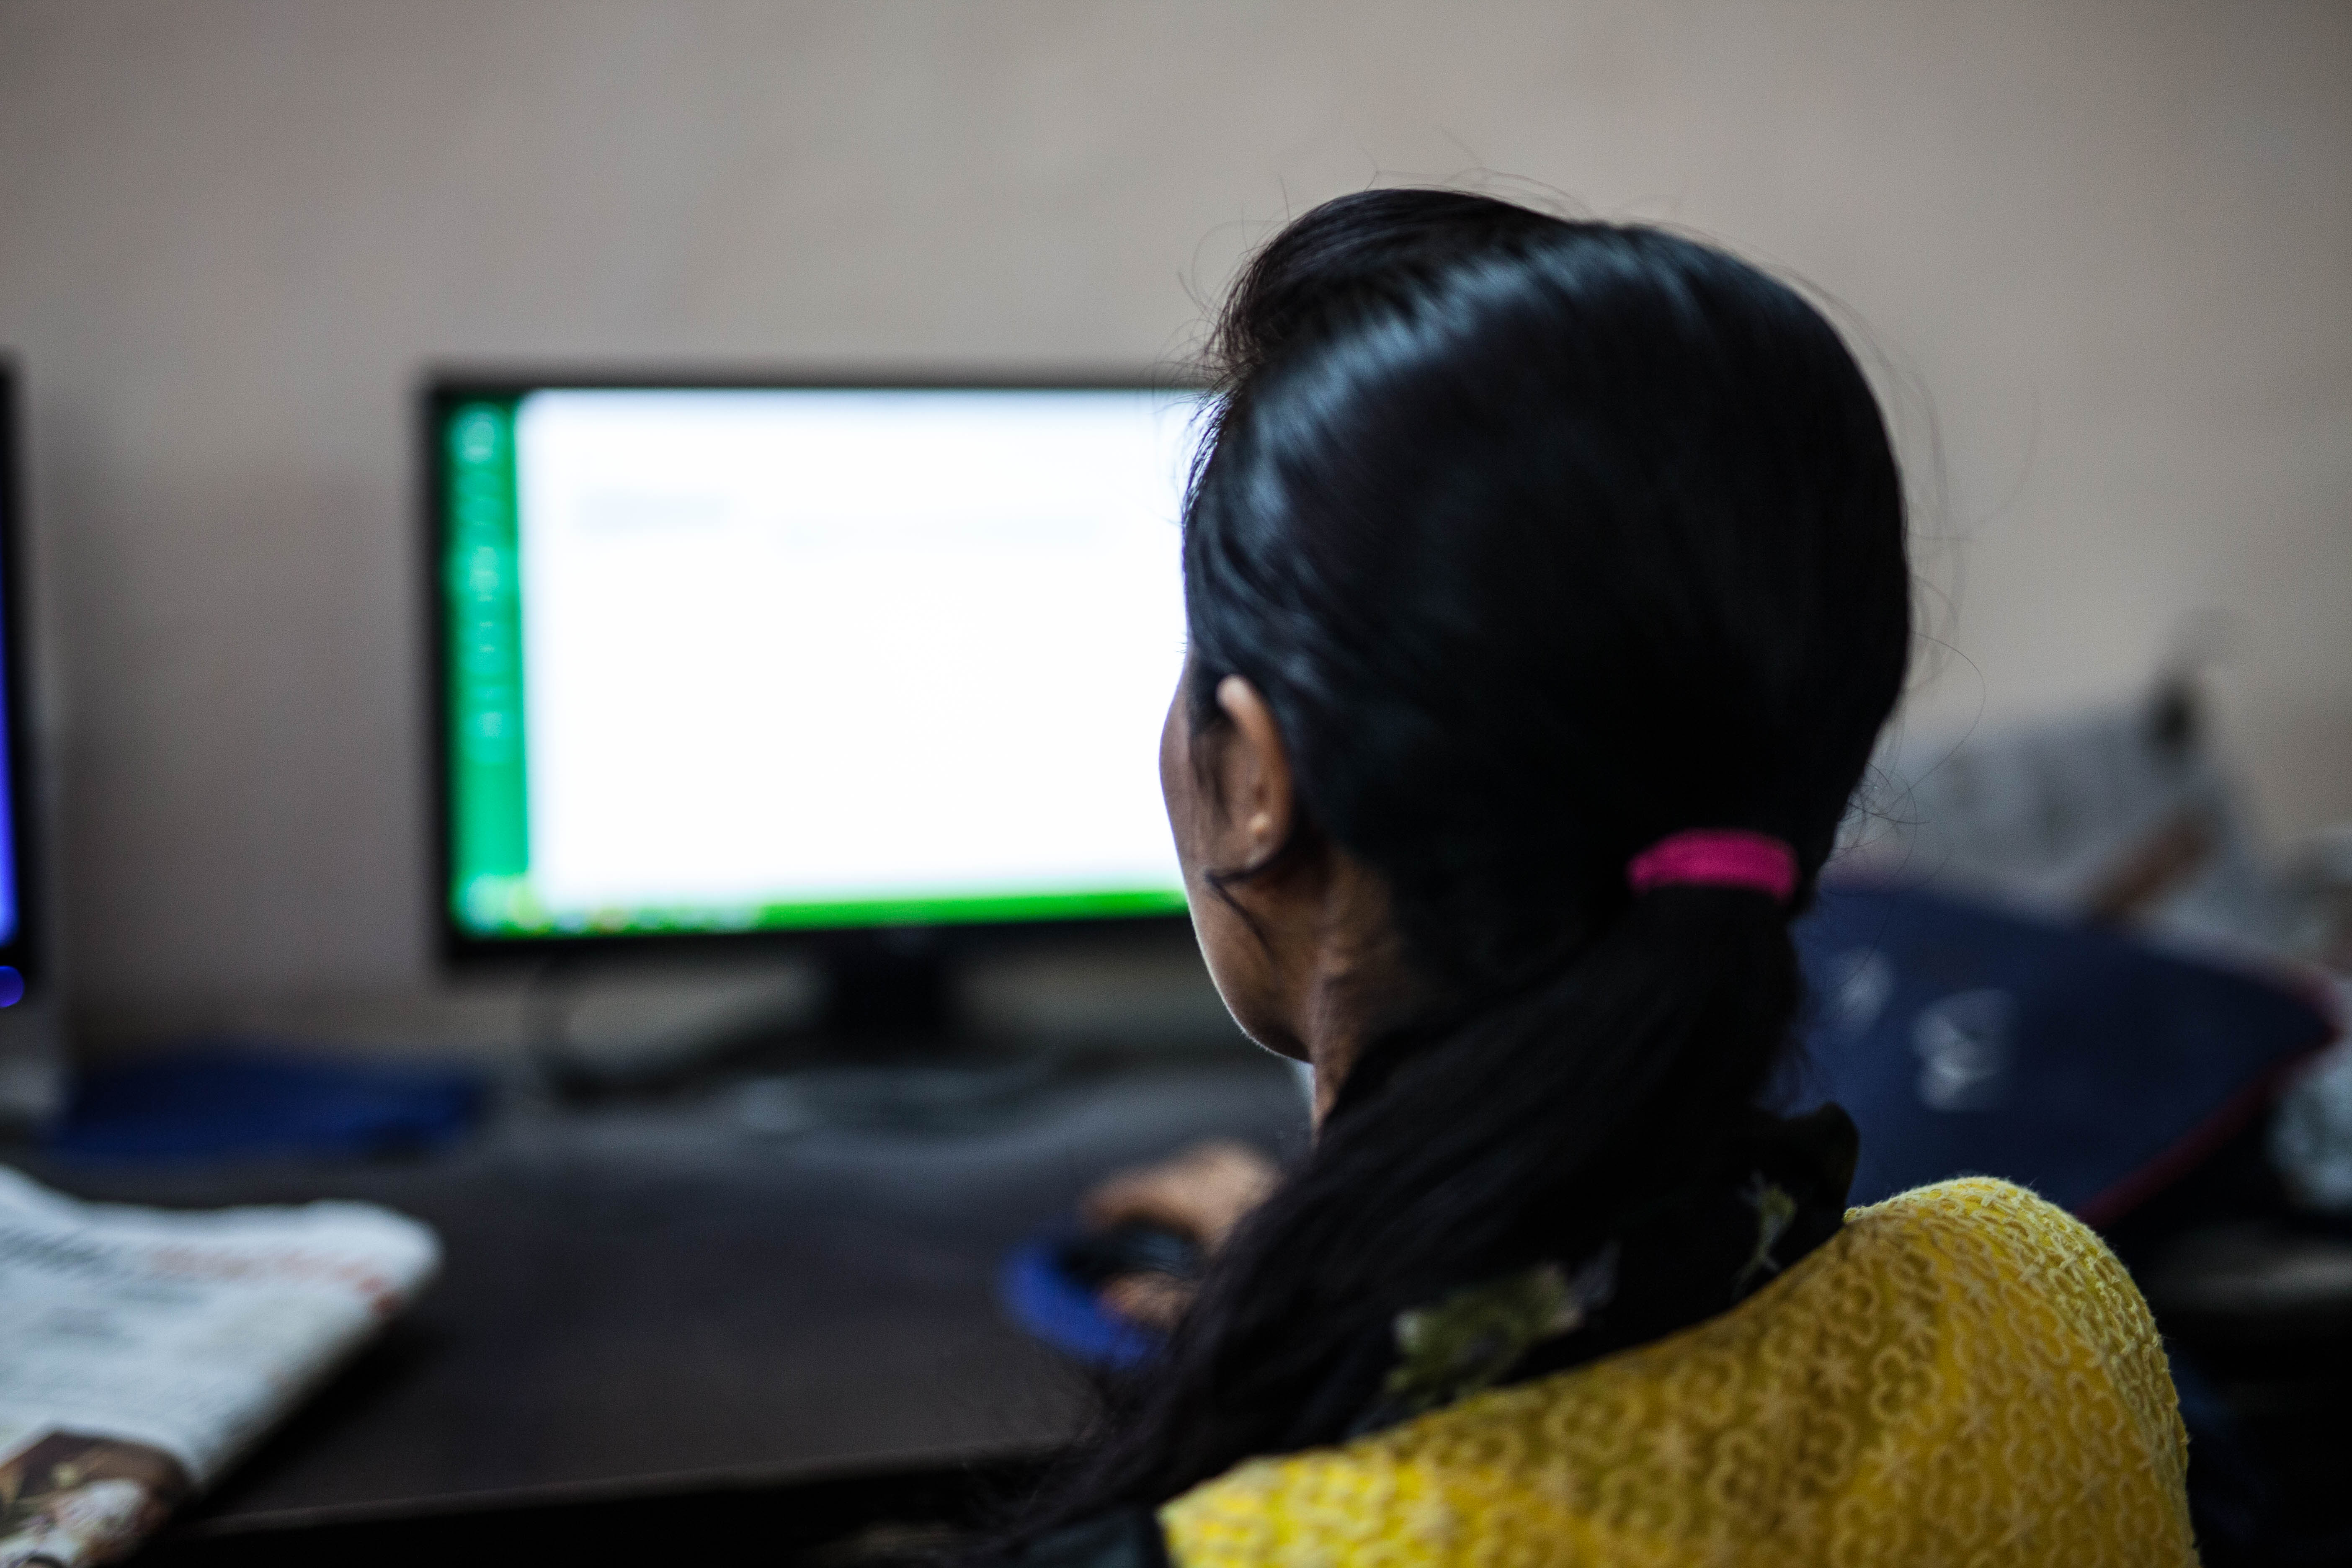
1542,540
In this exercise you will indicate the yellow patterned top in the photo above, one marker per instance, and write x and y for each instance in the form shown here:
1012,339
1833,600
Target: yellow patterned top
1963,1374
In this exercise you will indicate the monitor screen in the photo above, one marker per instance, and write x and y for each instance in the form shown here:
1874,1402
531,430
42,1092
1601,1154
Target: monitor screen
725,659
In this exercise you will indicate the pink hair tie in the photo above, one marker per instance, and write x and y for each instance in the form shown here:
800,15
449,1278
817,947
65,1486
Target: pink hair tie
1717,858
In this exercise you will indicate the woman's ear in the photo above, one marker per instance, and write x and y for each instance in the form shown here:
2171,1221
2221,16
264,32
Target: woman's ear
1253,778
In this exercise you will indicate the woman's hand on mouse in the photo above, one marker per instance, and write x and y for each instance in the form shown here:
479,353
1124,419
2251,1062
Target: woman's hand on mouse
1202,1193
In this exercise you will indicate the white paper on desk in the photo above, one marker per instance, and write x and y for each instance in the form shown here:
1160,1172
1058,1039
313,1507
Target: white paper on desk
141,1350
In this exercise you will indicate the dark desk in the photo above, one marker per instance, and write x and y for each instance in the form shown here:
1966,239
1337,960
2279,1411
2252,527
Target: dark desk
649,1296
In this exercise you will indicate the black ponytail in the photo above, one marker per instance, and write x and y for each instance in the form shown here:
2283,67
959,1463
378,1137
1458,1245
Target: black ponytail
1542,541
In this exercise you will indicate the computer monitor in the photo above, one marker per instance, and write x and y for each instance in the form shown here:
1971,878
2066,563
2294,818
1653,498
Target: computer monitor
20,949
725,662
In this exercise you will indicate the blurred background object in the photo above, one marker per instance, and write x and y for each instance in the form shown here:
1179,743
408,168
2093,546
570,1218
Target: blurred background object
2121,815
235,1101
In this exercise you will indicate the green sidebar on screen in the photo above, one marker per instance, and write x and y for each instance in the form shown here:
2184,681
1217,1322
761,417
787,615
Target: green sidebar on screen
738,659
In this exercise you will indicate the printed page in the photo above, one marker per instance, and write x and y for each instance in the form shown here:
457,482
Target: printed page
146,1350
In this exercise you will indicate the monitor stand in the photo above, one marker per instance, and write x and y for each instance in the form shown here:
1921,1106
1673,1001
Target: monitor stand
890,1050
888,1002
887,997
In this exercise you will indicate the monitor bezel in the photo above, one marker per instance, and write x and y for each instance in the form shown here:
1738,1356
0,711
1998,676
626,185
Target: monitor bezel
25,950
459,947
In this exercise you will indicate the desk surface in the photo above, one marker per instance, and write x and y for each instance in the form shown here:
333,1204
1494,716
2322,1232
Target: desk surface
642,1292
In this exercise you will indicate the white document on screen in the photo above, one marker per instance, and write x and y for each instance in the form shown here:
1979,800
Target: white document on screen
806,646
143,1351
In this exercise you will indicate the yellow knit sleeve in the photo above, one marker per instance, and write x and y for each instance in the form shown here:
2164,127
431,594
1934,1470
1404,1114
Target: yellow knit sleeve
1964,1374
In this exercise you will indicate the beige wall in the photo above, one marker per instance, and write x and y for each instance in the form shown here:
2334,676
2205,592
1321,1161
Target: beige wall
2108,248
